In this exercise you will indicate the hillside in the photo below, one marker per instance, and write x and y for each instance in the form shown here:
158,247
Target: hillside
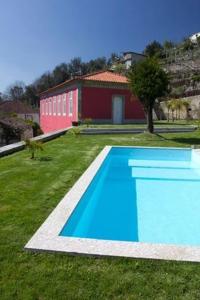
183,67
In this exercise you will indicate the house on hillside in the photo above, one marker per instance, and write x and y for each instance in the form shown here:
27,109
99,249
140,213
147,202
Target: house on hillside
130,58
21,109
103,96
194,38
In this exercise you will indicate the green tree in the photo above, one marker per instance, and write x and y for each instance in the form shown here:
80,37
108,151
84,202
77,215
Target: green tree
168,105
1,97
33,146
187,44
16,91
148,81
186,105
113,59
61,73
167,45
174,108
120,68
198,41
154,49
87,121
179,106
31,96
44,82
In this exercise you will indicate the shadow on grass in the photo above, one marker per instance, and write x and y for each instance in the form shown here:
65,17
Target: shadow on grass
185,140
182,140
44,158
151,136
173,123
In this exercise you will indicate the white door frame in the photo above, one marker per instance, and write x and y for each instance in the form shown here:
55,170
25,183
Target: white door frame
122,109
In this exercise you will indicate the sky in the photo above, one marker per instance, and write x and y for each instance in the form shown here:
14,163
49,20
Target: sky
36,35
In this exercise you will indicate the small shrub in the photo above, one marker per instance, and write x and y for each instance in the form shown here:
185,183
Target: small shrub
33,146
74,131
13,115
87,121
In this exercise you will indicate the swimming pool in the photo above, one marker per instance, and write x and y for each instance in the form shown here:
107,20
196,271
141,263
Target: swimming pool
131,201
141,195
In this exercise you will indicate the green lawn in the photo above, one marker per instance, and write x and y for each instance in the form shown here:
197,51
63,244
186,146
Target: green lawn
29,191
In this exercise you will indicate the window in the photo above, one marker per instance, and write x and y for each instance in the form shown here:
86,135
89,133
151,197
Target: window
64,105
46,107
58,109
70,103
54,105
43,108
50,106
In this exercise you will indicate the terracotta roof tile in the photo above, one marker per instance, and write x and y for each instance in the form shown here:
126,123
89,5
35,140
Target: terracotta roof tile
101,76
106,76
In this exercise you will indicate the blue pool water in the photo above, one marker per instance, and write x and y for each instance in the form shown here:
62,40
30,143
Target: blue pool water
141,195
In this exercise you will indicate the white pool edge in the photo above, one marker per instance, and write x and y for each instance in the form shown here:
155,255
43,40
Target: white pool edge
47,236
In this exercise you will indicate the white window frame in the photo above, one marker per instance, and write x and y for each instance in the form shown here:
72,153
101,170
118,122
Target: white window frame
54,105
47,107
50,106
59,105
70,103
64,105
42,107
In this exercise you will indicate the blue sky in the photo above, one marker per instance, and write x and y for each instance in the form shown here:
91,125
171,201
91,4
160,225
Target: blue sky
36,35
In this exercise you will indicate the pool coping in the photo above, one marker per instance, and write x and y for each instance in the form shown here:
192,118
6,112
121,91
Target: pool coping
47,236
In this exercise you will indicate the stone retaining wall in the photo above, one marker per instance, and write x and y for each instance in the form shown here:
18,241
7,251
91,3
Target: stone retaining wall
193,113
8,149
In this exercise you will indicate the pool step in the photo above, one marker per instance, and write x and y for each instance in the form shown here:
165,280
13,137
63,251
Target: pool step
159,164
165,173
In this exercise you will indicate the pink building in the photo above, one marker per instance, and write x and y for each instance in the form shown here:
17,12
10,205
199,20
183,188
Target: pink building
103,96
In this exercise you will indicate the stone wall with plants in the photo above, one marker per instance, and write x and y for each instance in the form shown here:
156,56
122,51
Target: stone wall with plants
184,108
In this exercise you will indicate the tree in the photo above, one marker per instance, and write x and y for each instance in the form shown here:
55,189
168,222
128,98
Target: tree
186,105
16,91
167,45
114,58
187,44
120,68
148,81
44,82
154,49
179,105
198,40
31,96
75,67
174,108
61,73
1,97
97,64
33,146
168,105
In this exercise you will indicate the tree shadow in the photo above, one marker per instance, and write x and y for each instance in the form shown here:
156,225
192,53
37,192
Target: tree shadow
186,140
152,136
44,158
181,140
172,123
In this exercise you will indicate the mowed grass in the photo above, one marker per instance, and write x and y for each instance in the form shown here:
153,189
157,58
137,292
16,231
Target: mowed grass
29,191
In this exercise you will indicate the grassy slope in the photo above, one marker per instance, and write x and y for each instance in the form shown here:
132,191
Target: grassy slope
29,190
